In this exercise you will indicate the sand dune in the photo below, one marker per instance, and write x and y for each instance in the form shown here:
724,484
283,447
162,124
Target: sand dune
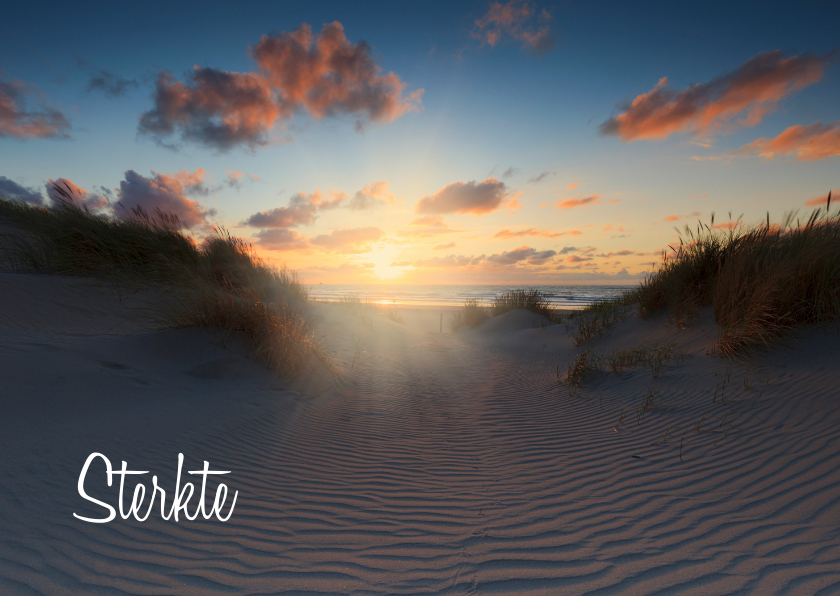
437,463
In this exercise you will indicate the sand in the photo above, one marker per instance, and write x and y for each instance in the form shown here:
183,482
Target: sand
436,463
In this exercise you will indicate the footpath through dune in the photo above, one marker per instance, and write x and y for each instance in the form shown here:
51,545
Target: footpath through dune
439,463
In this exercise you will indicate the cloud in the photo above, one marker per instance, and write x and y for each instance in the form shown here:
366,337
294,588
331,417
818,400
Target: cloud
523,253
541,176
10,189
577,259
324,75
164,192
572,186
236,179
449,261
400,264
473,198
216,108
672,218
281,239
427,226
301,210
578,202
17,121
511,171
819,201
568,249
83,198
528,232
373,194
110,84
514,20
744,95
806,143
444,246
432,221
349,240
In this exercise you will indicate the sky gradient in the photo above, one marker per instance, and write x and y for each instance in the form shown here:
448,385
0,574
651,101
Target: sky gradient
471,142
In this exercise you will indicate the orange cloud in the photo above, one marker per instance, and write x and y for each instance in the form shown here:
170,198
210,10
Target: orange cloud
58,189
17,121
513,20
281,239
672,218
349,240
529,232
572,186
821,200
473,198
806,143
324,74
372,195
578,202
444,246
607,228
746,94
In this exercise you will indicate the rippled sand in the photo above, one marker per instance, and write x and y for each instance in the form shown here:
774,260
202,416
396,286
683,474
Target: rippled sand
437,464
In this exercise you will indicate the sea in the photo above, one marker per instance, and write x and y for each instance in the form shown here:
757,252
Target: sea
566,297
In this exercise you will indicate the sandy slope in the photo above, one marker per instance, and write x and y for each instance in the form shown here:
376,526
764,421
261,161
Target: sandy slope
439,464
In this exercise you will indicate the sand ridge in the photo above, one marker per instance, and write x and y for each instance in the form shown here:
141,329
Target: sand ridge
433,464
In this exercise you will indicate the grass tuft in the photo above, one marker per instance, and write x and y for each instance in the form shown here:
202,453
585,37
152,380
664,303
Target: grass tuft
221,283
761,281
472,315
533,300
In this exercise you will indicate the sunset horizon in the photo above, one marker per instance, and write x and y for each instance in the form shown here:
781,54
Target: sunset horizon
484,145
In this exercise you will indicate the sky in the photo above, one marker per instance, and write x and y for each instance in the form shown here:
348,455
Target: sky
465,142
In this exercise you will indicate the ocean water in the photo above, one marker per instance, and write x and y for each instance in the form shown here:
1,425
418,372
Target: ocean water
567,297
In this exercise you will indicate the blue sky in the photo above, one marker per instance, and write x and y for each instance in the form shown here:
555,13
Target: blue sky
507,109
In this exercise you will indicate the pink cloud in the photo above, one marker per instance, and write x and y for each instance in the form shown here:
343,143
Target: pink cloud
16,120
527,232
513,20
323,74
578,202
372,195
281,239
58,189
349,240
806,143
166,193
744,95
821,200
301,210
473,198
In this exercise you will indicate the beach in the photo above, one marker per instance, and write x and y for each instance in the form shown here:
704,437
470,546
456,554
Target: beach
424,463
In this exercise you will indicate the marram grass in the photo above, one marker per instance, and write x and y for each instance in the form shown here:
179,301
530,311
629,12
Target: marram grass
221,283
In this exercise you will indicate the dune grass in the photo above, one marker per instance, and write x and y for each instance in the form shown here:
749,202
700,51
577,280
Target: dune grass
472,314
533,300
221,283
760,281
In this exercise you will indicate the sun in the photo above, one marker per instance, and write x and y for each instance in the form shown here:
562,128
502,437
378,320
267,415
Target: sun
382,257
